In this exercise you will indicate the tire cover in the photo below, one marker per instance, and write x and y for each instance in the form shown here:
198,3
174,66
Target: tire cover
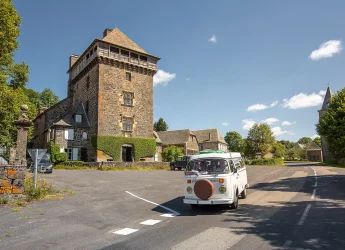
203,189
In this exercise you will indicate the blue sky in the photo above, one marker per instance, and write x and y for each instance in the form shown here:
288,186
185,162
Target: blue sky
221,58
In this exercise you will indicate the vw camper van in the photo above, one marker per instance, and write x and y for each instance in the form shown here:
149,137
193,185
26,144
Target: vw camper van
215,177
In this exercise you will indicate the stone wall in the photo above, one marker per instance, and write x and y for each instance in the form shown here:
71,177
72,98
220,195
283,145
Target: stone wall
314,155
111,108
112,164
12,179
192,145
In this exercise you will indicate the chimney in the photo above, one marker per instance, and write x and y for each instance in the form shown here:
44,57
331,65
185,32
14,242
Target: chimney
72,60
106,32
42,110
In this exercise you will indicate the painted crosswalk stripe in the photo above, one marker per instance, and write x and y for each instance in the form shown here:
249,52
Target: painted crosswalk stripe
150,222
169,215
126,231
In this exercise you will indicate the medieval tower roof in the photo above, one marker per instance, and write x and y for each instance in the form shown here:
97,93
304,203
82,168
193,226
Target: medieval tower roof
327,99
117,37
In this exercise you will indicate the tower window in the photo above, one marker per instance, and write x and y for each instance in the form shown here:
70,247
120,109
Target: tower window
125,53
128,76
143,58
127,124
128,99
134,55
114,50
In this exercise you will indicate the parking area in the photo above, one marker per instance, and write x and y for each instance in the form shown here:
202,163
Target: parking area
121,209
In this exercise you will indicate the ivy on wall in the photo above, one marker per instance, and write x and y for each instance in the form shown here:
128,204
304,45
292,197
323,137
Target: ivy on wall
112,146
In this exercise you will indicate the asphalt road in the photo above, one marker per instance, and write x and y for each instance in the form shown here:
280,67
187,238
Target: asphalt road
296,207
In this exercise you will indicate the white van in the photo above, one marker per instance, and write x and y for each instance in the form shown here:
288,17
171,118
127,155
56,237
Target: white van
215,177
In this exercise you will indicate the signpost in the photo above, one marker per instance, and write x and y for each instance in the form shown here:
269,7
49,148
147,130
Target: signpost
36,155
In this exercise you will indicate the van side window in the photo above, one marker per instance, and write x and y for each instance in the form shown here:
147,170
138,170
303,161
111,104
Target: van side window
242,163
237,164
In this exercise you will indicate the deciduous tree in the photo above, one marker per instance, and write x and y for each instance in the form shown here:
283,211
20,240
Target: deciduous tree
305,140
235,142
278,150
332,125
160,125
171,153
48,98
260,139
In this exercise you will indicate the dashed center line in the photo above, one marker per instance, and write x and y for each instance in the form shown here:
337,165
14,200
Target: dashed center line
313,195
304,215
150,222
125,231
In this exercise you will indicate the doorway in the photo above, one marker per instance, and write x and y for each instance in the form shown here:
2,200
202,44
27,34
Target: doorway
83,154
127,153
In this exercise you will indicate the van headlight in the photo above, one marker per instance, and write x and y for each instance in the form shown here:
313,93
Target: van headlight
222,189
189,189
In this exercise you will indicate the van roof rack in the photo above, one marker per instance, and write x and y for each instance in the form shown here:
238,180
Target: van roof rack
210,151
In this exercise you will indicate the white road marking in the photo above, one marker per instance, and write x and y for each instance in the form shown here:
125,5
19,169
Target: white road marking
316,183
304,215
286,245
126,231
166,208
168,215
150,222
313,195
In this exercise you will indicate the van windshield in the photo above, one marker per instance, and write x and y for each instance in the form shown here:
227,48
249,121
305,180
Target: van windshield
208,166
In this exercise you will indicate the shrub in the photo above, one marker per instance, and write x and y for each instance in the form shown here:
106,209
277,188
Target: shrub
56,155
269,162
112,145
171,153
43,188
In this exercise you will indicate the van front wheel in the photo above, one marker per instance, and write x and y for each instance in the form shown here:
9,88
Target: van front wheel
234,205
244,193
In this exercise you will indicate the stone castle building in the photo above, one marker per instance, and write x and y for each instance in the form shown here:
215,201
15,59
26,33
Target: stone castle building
110,92
324,145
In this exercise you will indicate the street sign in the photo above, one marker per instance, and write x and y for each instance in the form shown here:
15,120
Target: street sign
36,155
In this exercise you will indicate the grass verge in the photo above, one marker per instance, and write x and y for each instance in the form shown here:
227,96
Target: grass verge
44,191
331,164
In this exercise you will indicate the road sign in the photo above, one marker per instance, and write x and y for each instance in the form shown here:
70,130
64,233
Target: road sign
36,155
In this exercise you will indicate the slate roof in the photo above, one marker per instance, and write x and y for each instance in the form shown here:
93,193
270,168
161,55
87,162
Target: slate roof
327,99
174,137
310,146
117,37
68,118
208,135
155,135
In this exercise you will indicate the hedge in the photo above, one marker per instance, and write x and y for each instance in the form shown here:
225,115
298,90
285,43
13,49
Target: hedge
270,162
56,155
111,145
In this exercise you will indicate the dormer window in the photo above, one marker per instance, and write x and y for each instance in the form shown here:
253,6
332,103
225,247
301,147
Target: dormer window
78,118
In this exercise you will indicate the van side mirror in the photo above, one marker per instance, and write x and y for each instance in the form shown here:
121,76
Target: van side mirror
235,170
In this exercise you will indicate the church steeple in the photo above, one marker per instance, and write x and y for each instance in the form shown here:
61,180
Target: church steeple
327,99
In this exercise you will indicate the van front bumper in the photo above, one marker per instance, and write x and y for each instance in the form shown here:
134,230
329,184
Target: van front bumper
208,202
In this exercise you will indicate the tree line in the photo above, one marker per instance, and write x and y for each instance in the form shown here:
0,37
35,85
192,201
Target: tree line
13,79
261,141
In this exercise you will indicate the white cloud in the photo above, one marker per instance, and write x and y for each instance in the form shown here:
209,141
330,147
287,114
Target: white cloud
248,124
304,101
270,120
162,77
287,123
314,136
327,49
213,39
322,92
257,107
225,124
273,104
277,131
188,79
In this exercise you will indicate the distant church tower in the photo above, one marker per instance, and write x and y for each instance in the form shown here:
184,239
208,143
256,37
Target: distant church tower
325,152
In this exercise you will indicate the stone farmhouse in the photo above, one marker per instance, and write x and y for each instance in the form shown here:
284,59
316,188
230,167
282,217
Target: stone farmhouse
324,145
313,151
110,92
193,141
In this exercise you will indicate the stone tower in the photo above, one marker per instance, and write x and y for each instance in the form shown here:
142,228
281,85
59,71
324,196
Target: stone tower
325,152
113,80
